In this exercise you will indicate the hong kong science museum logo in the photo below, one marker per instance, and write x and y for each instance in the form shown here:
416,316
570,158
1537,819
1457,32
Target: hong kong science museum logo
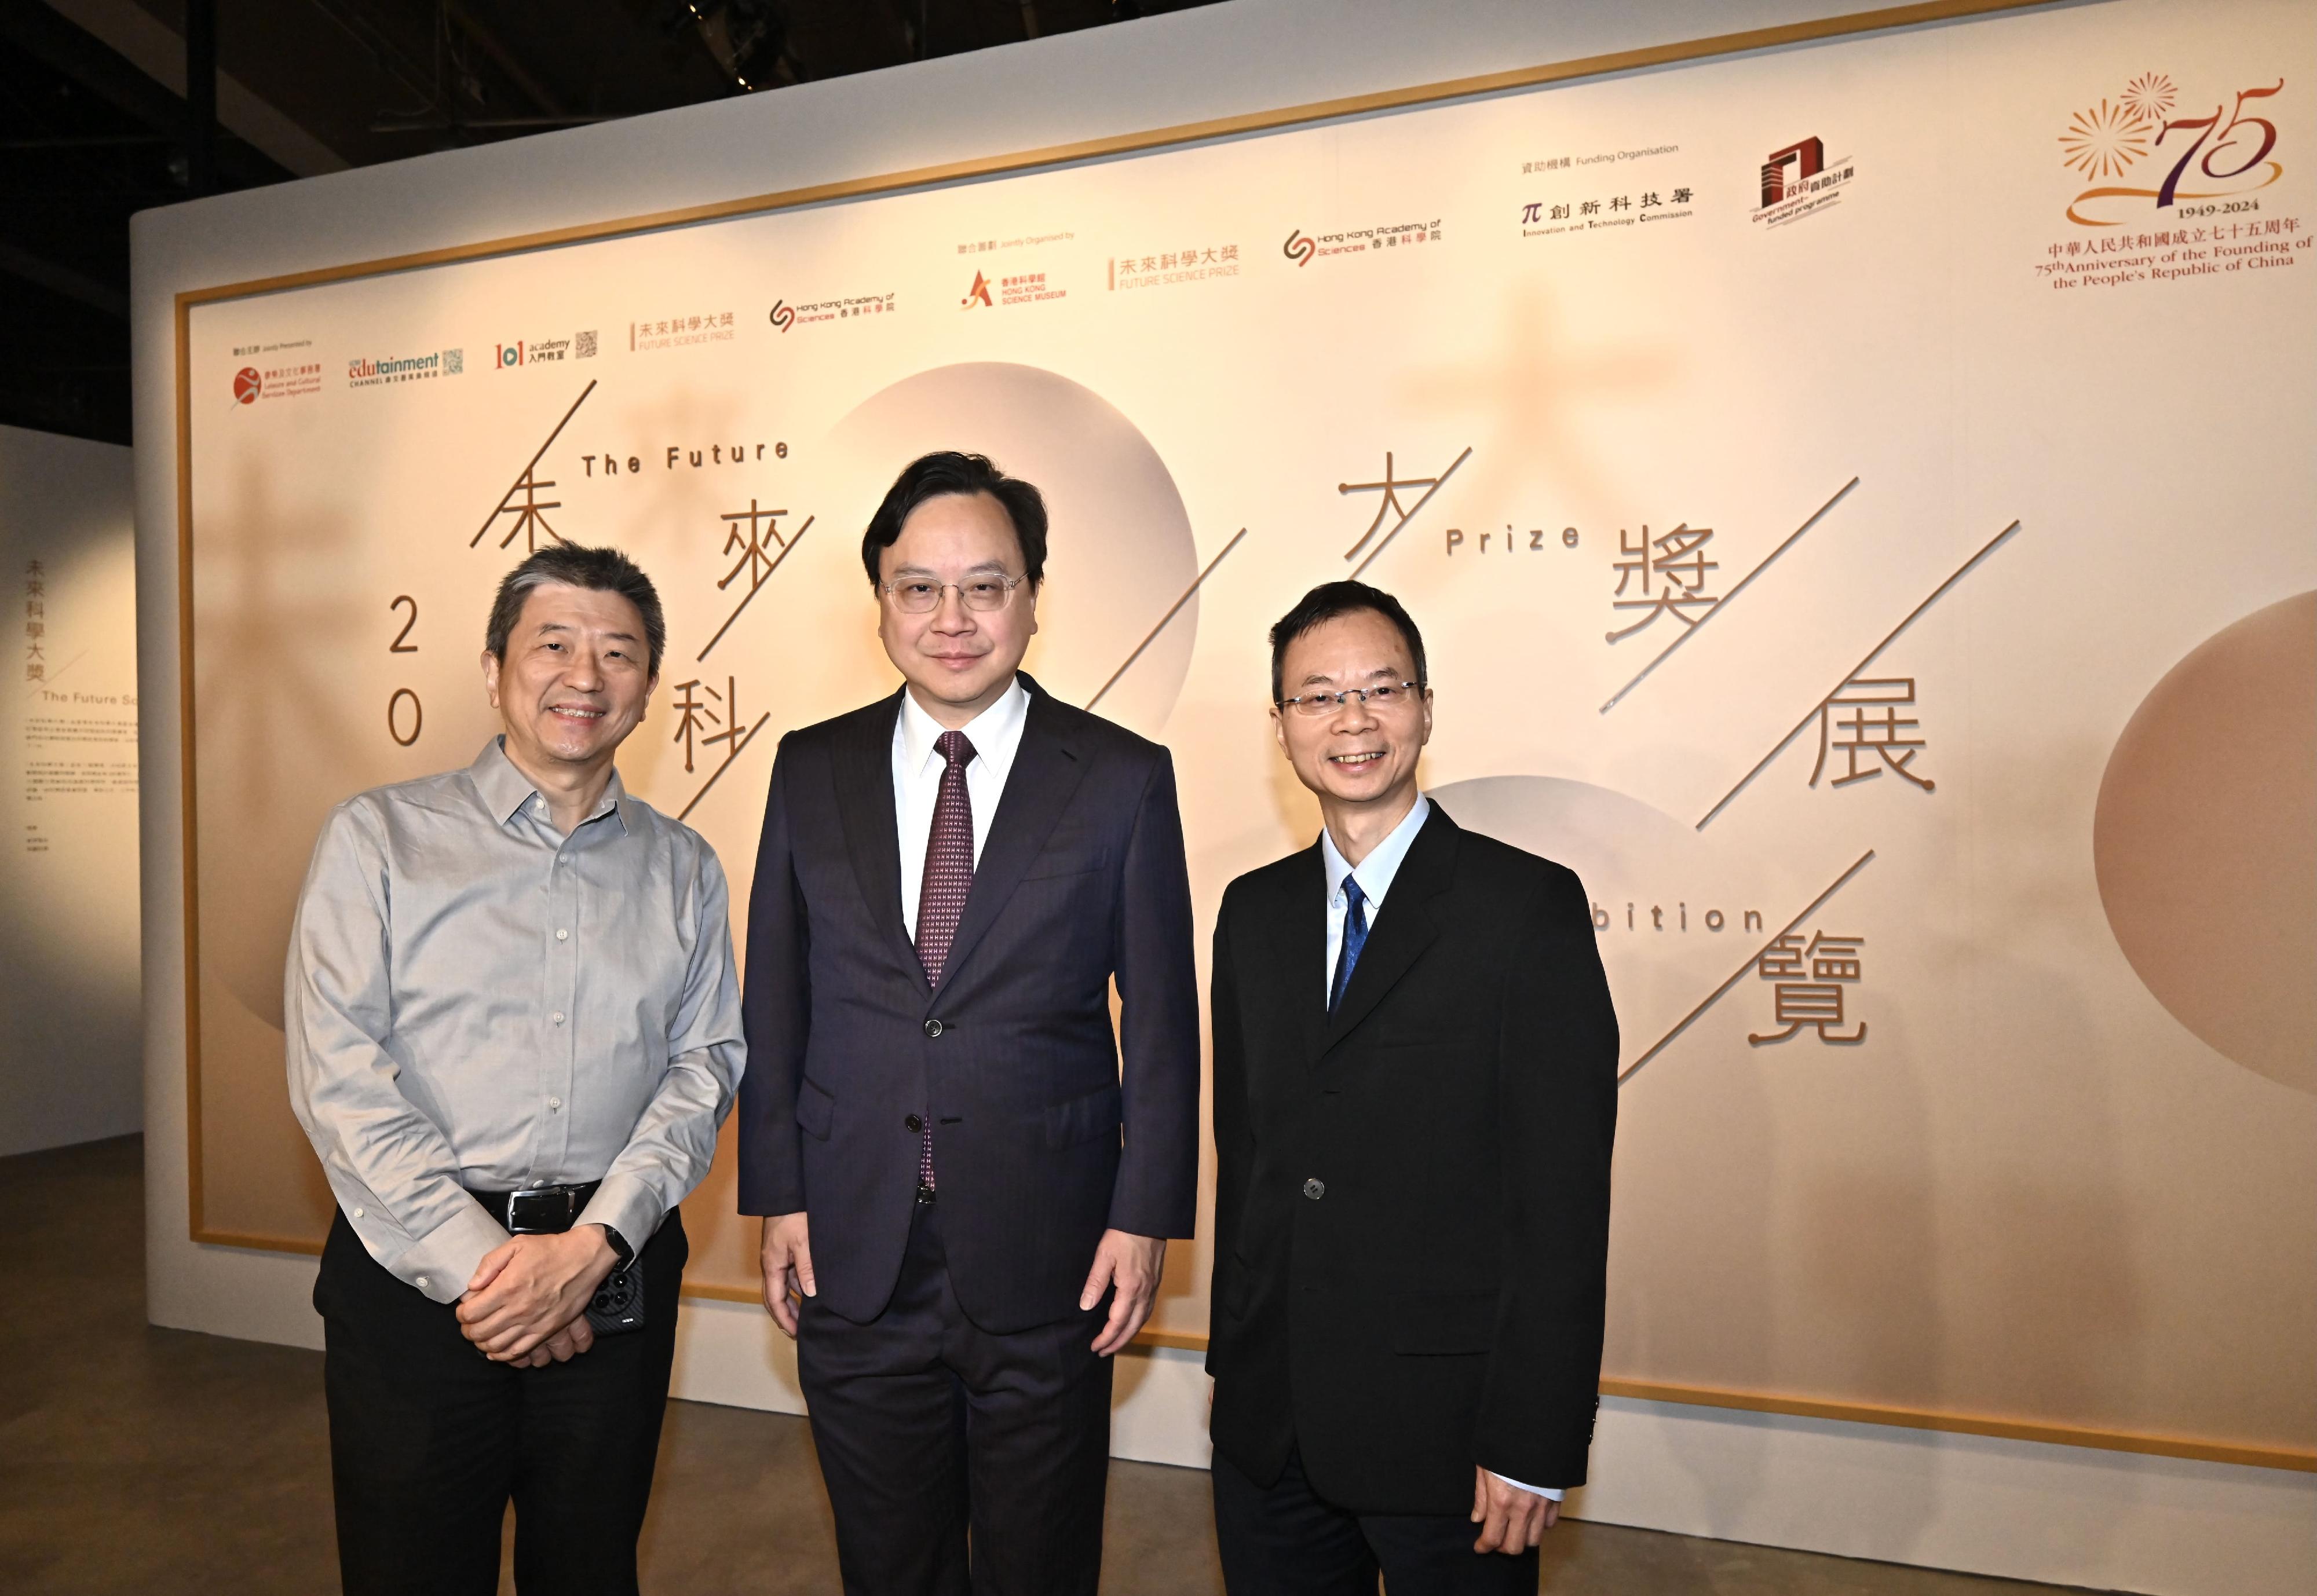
2153,151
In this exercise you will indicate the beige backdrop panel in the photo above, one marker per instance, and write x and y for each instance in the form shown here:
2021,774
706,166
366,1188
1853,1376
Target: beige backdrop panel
1981,467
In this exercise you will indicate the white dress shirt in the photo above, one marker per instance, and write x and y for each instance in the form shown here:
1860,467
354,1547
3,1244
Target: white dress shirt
995,734
1375,874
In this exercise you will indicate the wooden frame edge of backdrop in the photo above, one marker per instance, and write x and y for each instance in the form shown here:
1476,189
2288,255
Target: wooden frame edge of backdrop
1883,20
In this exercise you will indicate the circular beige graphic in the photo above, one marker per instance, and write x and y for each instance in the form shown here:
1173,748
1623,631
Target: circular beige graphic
1120,553
2204,842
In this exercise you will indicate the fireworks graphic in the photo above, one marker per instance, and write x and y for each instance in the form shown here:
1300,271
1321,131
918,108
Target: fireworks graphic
2149,96
2102,140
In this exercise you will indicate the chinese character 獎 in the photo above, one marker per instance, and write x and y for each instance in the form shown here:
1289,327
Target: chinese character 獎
1678,562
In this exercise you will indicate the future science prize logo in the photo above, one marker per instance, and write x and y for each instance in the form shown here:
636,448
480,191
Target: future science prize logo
380,371
1798,181
680,332
1303,250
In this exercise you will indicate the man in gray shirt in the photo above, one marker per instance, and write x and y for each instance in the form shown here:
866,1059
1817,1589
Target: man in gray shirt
513,1029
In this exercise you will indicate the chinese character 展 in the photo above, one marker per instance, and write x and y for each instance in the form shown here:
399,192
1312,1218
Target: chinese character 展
1861,722
1808,984
1673,569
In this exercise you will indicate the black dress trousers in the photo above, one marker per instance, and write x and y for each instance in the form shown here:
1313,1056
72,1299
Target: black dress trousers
928,1426
1283,1539
429,1440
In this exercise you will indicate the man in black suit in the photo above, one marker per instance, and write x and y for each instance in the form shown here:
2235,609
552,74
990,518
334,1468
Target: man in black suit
1414,1096
949,881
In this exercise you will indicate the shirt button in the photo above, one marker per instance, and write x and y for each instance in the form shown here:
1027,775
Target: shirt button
422,1281
359,1212
562,935
914,1124
559,1016
932,1028
557,1103
1315,1189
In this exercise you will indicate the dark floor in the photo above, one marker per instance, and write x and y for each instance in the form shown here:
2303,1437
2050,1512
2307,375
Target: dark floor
137,1459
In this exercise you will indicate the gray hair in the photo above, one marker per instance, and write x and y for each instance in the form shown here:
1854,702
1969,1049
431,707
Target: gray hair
603,570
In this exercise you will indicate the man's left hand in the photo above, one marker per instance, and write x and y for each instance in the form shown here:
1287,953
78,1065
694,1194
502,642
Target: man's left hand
1133,1263
531,1287
1511,1520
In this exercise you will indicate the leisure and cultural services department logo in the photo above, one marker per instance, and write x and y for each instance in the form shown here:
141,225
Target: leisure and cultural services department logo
2204,165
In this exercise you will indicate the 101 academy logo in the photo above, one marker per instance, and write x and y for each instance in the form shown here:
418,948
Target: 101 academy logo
542,352
1798,181
2168,196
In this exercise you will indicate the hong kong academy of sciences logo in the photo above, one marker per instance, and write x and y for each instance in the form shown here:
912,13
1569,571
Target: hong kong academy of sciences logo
2153,148
783,316
1298,248
1304,249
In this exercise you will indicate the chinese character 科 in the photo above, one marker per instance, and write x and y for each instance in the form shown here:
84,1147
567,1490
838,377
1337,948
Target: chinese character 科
1678,562
1874,728
1817,1001
690,712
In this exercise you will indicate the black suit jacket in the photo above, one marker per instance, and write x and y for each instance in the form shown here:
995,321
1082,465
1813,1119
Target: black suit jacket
1412,1202
1081,879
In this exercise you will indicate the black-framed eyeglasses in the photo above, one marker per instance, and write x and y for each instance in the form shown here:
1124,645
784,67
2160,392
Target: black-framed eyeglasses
1389,696
922,595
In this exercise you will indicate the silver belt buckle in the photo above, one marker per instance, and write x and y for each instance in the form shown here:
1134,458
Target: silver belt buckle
550,1209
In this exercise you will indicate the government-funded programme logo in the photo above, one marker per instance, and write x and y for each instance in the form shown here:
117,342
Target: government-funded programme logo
2206,161
841,308
541,352
1303,250
378,371
1798,181
2166,195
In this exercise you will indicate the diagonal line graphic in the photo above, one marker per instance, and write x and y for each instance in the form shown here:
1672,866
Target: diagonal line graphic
1715,995
1687,635
1195,584
795,538
1420,503
519,476
1936,593
726,765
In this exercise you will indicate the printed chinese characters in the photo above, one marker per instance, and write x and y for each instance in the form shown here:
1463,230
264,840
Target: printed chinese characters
1389,505
756,562
1833,963
1677,564
36,625
1874,728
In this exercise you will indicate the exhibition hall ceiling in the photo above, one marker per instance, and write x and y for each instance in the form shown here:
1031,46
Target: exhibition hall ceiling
93,118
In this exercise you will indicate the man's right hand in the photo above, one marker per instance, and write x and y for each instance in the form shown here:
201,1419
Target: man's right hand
787,1259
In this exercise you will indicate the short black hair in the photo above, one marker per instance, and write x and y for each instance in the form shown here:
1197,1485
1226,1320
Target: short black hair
1324,603
604,570
946,472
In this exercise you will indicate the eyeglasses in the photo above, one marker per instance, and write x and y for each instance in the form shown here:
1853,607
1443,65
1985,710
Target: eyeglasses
1386,698
917,595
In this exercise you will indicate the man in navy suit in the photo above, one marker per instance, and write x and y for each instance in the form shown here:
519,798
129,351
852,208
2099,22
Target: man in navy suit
967,1178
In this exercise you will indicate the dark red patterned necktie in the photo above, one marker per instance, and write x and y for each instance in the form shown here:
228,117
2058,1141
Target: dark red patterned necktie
941,895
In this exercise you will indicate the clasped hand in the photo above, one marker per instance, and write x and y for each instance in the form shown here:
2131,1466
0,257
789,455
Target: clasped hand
527,1303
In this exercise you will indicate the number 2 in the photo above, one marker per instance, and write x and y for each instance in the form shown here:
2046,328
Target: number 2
398,645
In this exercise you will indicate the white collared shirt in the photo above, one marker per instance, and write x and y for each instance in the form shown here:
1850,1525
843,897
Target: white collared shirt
1375,874
995,734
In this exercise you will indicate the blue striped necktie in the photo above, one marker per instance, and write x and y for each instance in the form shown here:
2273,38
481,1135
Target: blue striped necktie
1355,937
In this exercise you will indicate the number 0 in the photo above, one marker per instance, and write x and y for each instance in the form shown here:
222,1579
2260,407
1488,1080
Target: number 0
417,716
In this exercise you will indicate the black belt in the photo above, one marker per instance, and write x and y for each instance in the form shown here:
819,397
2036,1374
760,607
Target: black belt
537,1210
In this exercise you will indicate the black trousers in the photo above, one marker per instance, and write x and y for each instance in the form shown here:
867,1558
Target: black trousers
929,1426
1284,1540
429,1440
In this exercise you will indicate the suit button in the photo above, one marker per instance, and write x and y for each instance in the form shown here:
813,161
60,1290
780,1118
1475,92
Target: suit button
914,1124
932,1028
1315,1189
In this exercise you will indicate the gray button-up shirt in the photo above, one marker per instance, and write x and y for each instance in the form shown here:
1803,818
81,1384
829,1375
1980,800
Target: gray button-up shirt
475,1000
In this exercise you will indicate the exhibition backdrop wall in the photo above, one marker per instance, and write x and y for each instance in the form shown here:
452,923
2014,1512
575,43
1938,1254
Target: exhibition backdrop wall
69,1008
1954,886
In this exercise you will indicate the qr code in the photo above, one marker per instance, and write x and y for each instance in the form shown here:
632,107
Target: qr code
454,361
583,344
